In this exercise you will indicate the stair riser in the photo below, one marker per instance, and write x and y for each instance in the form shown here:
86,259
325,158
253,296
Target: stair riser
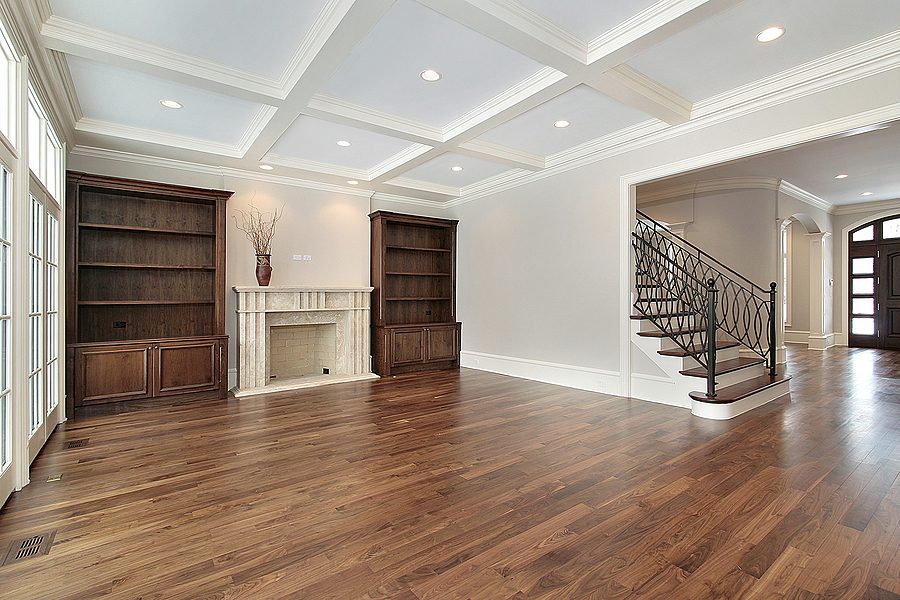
721,356
740,375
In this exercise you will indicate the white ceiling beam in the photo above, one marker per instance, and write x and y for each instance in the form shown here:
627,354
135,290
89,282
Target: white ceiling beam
342,112
503,154
352,21
70,37
632,88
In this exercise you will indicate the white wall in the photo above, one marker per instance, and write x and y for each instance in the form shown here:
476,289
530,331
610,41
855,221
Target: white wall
539,264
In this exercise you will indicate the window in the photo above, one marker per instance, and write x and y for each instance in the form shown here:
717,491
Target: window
52,367
5,321
35,316
7,87
44,147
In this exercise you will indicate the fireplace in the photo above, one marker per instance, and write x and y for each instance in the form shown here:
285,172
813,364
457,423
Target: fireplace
289,337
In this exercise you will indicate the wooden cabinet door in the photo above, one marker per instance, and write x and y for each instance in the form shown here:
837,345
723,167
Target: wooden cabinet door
441,343
186,367
112,373
407,346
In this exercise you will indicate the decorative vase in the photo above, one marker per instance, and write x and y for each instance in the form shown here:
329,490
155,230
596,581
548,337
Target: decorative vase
263,269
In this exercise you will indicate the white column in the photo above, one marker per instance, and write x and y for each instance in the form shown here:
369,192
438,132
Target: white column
820,331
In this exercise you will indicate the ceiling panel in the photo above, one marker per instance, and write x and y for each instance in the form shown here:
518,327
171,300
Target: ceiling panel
126,97
587,20
316,140
590,114
721,52
382,72
439,170
254,37
870,160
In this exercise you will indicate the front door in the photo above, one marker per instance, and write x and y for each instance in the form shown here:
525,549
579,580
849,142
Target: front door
887,313
874,280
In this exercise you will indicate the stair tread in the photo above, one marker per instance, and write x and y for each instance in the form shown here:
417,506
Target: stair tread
662,334
739,391
663,316
726,366
720,345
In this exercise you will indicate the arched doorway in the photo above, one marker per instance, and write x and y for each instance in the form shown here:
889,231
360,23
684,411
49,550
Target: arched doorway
874,284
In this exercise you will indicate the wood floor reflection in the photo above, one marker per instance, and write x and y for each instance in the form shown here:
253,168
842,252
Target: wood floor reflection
475,485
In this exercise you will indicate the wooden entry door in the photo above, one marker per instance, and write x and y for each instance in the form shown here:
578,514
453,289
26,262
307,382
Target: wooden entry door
887,294
874,278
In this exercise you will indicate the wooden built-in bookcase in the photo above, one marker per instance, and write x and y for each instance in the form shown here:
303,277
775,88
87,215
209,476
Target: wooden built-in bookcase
146,289
414,296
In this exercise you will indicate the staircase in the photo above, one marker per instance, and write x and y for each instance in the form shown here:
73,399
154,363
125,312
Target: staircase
683,298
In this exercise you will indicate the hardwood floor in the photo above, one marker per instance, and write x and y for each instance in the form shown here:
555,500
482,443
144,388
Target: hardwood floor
475,485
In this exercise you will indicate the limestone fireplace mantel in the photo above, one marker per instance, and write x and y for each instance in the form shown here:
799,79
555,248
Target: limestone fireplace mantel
261,308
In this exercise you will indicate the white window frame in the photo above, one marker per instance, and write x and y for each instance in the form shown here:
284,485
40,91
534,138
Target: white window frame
8,87
6,372
36,337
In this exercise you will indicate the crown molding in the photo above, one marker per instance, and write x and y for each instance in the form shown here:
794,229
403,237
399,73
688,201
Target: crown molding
386,197
708,187
169,163
75,38
323,27
639,26
401,158
839,68
865,207
255,127
425,186
327,107
128,132
789,189
537,26
704,188
511,156
540,80
316,167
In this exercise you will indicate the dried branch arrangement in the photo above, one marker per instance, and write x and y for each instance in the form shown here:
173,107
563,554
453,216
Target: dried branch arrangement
259,227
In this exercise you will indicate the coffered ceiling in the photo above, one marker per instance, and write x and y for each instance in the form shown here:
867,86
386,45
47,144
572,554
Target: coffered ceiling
280,82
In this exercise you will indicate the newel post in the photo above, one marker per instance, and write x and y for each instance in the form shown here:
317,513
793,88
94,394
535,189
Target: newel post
711,293
772,317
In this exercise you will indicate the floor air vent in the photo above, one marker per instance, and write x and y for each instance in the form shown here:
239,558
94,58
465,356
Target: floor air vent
36,545
77,443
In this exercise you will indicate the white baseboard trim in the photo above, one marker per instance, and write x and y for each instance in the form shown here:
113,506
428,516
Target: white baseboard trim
840,339
821,342
795,336
232,378
582,378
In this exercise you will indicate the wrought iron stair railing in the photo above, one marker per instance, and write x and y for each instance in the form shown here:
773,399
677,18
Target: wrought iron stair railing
693,298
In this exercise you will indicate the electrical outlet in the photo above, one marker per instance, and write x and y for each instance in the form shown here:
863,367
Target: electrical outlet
303,257
297,257
307,257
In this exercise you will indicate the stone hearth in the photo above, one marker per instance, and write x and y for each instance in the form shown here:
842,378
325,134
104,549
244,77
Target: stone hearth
260,309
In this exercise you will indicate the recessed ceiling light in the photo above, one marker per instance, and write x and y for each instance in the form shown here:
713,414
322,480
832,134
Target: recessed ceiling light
171,103
561,123
841,176
430,75
267,167
352,182
770,34
456,168
867,193
343,143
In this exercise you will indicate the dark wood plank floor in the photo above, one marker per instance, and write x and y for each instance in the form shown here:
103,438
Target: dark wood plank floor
475,485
